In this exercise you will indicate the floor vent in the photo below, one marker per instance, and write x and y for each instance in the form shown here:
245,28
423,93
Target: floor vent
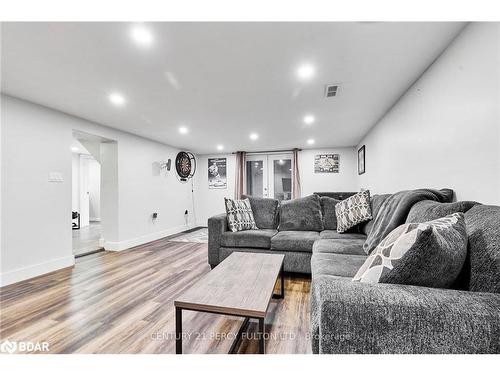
331,91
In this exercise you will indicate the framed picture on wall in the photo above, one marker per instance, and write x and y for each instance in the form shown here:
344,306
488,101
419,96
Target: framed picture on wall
326,163
217,178
361,160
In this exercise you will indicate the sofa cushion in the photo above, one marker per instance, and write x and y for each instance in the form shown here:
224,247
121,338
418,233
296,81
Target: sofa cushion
375,202
333,234
482,270
353,210
294,241
352,247
259,238
336,264
428,254
239,215
328,212
430,210
265,211
301,214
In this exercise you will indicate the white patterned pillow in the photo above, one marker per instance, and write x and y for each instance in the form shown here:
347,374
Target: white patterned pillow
353,210
239,215
428,254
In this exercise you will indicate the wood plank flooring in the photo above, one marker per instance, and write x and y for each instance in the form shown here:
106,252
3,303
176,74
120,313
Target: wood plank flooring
123,303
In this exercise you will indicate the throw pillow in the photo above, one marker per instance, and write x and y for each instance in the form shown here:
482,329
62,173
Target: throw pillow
353,210
328,212
428,254
265,211
239,215
301,214
430,210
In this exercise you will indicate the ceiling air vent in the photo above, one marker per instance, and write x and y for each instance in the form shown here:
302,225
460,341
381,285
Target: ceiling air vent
331,91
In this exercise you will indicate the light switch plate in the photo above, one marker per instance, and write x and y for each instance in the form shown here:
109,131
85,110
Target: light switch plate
55,177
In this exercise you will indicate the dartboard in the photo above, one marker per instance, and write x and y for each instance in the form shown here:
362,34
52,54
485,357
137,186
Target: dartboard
183,164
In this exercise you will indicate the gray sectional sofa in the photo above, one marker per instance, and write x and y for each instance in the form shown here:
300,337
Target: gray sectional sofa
354,317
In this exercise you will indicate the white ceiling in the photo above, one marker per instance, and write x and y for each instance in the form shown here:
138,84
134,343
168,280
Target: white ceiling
222,80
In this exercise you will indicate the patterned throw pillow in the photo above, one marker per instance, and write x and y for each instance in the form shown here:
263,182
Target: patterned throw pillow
428,254
239,215
353,210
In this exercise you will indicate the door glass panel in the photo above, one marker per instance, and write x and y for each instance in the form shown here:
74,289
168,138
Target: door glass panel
255,175
282,169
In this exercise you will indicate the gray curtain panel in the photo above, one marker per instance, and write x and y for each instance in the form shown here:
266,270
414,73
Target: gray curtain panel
296,190
239,185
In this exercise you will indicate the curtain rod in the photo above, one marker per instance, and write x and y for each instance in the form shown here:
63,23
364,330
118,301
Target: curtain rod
271,152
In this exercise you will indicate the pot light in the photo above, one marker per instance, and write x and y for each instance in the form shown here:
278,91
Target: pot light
74,149
254,136
117,99
220,147
305,71
310,141
183,130
141,36
309,119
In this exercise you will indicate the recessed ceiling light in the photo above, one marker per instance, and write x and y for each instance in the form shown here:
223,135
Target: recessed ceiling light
220,147
305,71
117,99
309,119
183,130
310,141
141,35
74,149
254,136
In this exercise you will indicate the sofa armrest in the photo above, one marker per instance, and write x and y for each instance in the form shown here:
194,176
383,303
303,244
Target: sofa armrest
217,225
353,317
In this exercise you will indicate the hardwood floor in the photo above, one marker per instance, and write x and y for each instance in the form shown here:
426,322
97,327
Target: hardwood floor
123,303
86,239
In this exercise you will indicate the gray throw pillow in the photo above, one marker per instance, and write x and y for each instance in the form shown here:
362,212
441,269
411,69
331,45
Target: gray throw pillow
431,210
239,215
353,210
328,212
429,254
301,214
265,211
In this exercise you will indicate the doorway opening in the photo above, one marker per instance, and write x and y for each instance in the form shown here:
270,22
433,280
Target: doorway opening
269,175
87,193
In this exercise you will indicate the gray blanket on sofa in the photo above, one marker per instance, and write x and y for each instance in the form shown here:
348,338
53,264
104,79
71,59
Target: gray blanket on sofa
395,209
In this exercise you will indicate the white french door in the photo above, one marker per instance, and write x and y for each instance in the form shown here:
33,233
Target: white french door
269,175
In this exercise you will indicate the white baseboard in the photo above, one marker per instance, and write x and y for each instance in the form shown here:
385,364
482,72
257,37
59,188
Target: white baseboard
127,244
24,273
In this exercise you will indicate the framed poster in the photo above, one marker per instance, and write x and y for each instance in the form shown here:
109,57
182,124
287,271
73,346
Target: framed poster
326,163
217,177
361,160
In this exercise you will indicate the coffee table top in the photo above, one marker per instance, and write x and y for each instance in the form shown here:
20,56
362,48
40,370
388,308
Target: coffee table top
242,284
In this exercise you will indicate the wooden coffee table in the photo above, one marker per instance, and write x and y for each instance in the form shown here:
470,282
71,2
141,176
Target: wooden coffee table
241,285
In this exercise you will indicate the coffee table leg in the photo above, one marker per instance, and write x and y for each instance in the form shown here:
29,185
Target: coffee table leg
262,331
178,330
282,282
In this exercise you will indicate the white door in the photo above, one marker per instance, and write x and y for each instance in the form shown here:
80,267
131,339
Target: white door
269,176
84,191
256,176
280,176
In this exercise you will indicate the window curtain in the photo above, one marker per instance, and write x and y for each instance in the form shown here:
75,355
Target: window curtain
240,185
295,175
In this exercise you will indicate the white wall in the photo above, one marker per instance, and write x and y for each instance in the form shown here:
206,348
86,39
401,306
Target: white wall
94,190
75,182
345,180
444,132
35,141
210,202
